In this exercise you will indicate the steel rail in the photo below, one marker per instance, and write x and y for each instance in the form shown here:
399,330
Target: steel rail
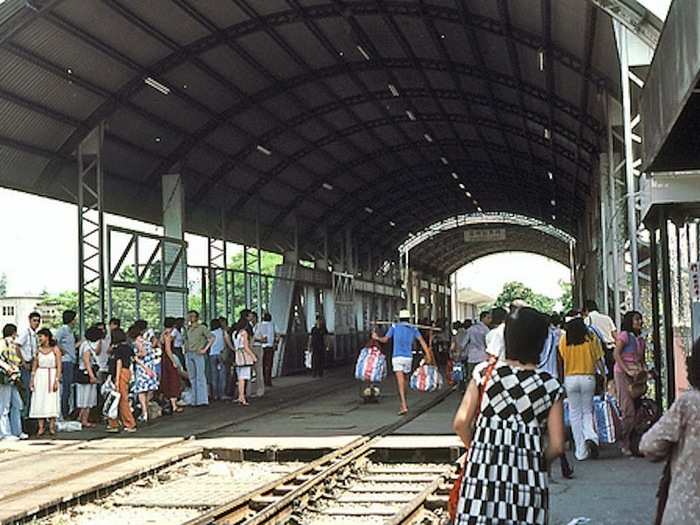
241,510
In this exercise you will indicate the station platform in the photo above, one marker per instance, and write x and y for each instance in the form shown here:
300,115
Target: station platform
300,420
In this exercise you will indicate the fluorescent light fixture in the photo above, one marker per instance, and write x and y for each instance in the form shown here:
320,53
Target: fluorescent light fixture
341,53
547,134
468,194
157,139
363,52
392,224
476,203
368,209
541,59
554,217
428,137
461,186
443,37
69,70
393,90
479,209
553,202
455,176
550,175
152,82
443,160
327,186
410,115
263,150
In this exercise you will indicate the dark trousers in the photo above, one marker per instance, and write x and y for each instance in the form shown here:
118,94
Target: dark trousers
268,356
318,361
66,387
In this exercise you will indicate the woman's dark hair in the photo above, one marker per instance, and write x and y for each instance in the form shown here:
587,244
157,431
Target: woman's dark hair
93,334
555,319
169,322
628,319
133,332
68,316
241,324
693,365
576,331
525,333
9,330
141,325
215,324
118,337
46,332
498,315
267,317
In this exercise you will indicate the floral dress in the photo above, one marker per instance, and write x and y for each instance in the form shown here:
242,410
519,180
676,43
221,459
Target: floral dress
505,478
144,382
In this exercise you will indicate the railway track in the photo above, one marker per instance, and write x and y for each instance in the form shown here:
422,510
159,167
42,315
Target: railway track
343,487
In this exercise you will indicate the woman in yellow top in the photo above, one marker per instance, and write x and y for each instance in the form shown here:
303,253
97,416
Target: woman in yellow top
581,356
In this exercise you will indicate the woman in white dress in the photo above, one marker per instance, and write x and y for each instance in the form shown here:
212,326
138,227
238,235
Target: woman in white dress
46,382
86,378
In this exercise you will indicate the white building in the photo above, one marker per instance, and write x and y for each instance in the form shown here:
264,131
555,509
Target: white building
16,310
469,304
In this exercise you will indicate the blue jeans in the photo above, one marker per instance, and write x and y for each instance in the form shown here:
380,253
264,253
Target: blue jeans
218,376
66,387
196,364
10,411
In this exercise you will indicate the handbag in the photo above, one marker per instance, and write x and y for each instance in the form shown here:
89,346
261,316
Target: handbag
110,409
243,358
426,378
81,376
457,487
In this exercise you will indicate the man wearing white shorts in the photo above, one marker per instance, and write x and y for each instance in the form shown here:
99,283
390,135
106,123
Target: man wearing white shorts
403,335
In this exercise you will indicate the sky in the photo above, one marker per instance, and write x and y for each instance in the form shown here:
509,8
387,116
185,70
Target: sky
488,274
41,251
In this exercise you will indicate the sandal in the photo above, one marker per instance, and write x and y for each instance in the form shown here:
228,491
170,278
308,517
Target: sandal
402,412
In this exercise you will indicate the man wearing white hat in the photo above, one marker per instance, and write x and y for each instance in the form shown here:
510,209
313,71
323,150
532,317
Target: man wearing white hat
404,334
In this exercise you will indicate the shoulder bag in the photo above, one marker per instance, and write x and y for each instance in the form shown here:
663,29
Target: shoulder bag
457,487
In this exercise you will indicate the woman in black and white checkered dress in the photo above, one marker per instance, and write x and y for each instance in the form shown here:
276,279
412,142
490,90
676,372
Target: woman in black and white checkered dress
505,475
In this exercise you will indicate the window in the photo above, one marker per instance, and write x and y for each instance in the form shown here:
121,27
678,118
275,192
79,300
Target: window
8,310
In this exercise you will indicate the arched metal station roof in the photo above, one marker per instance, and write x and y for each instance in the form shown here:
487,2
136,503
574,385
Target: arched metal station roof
362,113
448,251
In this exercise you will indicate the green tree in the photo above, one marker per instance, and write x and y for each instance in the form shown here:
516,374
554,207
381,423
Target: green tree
3,285
516,290
268,262
566,298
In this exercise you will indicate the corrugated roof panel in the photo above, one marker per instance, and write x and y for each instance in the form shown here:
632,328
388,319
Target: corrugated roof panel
98,19
230,65
69,52
19,170
170,108
168,18
203,88
310,48
32,128
34,83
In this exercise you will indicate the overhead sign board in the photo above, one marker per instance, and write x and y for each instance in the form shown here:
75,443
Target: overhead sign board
694,272
485,235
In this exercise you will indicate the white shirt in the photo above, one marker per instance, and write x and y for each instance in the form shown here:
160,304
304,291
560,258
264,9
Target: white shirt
267,330
28,344
604,325
178,339
103,356
496,342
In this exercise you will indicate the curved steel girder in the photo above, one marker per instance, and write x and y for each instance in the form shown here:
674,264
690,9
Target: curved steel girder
363,66
233,32
457,255
456,164
396,203
635,17
300,154
385,184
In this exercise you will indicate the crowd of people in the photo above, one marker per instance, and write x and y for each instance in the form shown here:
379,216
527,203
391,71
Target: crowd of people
520,367
47,377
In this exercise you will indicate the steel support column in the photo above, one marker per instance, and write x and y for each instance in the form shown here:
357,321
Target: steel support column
622,37
667,308
91,289
656,328
613,220
258,281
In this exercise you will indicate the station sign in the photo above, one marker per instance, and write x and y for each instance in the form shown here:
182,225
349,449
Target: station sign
694,271
485,235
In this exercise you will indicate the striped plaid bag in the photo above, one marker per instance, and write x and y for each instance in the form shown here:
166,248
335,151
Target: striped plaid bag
371,365
426,378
